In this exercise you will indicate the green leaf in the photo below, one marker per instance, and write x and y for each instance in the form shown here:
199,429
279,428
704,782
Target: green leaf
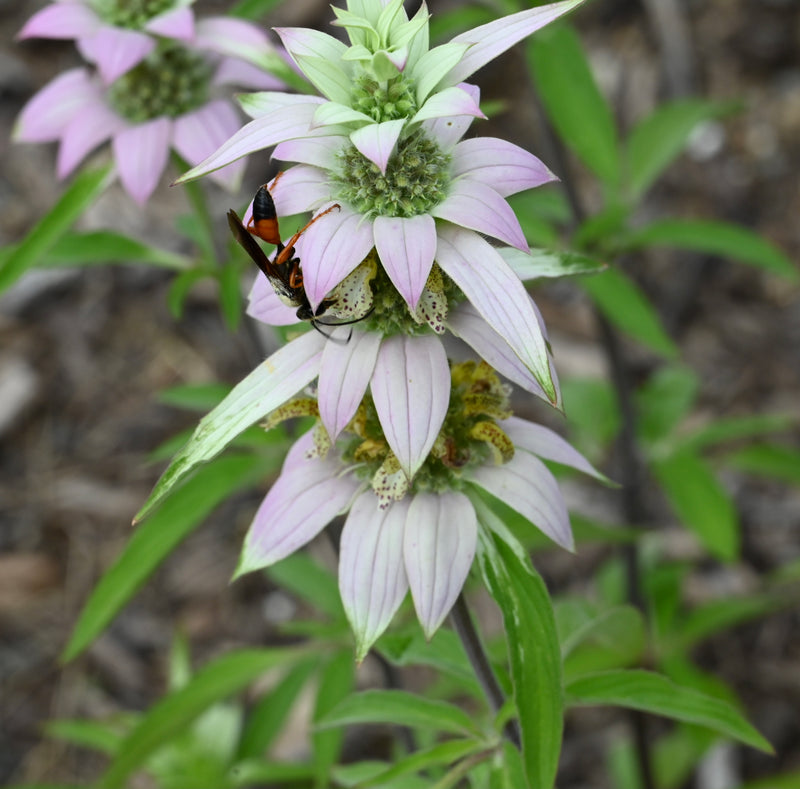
737,427
626,307
649,692
769,460
306,579
549,263
444,652
194,397
790,780
613,639
593,414
272,383
266,720
179,289
715,238
259,772
657,139
336,682
173,713
534,655
106,246
700,502
253,9
401,708
82,192
663,401
719,615
573,102
152,543
442,754
86,734
230,296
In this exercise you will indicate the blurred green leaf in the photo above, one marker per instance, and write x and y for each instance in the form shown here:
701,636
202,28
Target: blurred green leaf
663,401
87,186
700,502
769,460
401,708
439,755
106,246
625,306
593,414
790,780
676,754
715,238
534,654
336,681
719,615
230,296
612,639
657,139
737,427
179,289
194,397
260,772
267,718
541,263
87,734
253,9
594,232
573,102
649,692
444,652
309,581
172,714
151,543
360,774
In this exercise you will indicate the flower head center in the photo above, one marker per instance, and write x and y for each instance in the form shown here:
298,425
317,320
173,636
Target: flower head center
169,82
132,14
469,437
416,179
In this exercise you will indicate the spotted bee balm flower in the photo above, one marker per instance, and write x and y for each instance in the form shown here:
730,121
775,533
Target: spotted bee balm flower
157,90
402,207
418,534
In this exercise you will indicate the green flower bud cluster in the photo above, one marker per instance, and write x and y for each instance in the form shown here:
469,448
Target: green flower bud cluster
415,180
131,14
170,82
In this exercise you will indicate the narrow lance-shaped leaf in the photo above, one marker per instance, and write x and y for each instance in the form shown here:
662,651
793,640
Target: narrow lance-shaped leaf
398,707
106,246
649,692
624,305
657,139
272,383
700,502
173,713
573,102
715,238
152,542
533,651
83,191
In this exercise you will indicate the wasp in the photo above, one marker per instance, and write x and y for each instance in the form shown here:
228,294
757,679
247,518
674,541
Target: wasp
349,302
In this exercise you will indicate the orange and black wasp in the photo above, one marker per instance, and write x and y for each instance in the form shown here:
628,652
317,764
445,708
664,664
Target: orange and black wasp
349,302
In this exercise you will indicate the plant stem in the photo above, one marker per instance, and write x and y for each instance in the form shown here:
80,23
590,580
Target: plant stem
479,660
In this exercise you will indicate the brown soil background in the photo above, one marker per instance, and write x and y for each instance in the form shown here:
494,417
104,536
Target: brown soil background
83,354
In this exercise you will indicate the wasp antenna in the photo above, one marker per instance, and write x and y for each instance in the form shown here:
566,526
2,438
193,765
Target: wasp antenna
338,340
